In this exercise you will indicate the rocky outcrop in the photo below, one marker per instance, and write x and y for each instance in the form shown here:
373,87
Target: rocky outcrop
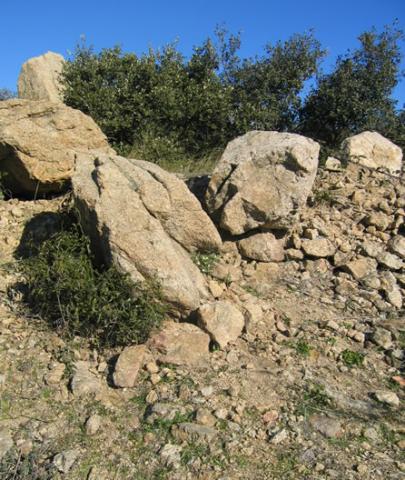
373,150
38,144
146,222
39,78
262,180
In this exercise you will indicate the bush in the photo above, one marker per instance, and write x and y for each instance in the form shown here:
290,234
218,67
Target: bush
170,108
77,299
356,96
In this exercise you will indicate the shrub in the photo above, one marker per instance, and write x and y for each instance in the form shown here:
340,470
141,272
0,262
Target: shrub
77,299
169,107
356,95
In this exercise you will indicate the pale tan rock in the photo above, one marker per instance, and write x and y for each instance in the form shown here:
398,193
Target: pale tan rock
38,144
318,248
144,220
373,150
397,245
263,246
180,344
262,180
39,78
333,164
129,363
222,320
361,267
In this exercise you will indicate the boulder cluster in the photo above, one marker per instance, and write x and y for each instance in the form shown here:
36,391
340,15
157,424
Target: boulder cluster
267,209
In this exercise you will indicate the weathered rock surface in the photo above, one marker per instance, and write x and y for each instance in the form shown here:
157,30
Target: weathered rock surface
262,246
39,78
223,321
262,180
180,344
373,150
128,365
38,144
145,221
318,247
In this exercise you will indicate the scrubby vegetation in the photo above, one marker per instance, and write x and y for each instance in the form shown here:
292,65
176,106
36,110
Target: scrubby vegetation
76,298
170,109
6,94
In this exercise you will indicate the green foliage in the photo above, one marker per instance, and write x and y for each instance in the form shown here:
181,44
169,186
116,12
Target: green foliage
205,261
352,359
315,399
163,106
303,348
77,299
356,96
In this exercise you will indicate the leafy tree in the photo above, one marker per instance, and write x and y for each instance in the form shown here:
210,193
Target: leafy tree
266,90
356,95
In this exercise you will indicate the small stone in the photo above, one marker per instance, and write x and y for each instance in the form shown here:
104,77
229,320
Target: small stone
333,164
83,381
279,437
318,248
399,380
221,413
357,336
198,431
388,397
151,397
207,391
382,338
155,378
328,427
270,417
170,454
93,424
55,374
379,220
180,344
215,288
222,320
391,261
152,367
64,461
362,267
397,245
205,417
25,447
128,365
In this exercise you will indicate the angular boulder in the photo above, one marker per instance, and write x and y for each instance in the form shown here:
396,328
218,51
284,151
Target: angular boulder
145,221
263,247
180,344
222,320
373,150
262,180
38,144
39,78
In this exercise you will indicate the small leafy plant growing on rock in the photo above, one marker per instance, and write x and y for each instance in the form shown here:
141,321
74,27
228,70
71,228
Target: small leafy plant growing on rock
352,359
205,261
74,297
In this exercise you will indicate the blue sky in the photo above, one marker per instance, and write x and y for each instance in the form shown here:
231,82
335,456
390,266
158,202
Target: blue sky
30,28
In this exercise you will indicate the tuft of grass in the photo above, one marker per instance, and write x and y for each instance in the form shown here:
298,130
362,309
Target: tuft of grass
75,298
303,348
315,399
205,261
352,359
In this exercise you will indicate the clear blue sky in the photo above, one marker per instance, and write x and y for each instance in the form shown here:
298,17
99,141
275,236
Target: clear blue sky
32,27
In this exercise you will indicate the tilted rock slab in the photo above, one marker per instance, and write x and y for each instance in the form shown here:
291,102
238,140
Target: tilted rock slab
262,180
145,221
38,144
39,78
373,150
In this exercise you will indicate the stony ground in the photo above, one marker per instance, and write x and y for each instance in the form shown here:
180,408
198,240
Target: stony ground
311,390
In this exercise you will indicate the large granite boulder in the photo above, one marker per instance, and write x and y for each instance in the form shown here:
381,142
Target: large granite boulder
146,222
262,180
39,78
373,150
38,144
